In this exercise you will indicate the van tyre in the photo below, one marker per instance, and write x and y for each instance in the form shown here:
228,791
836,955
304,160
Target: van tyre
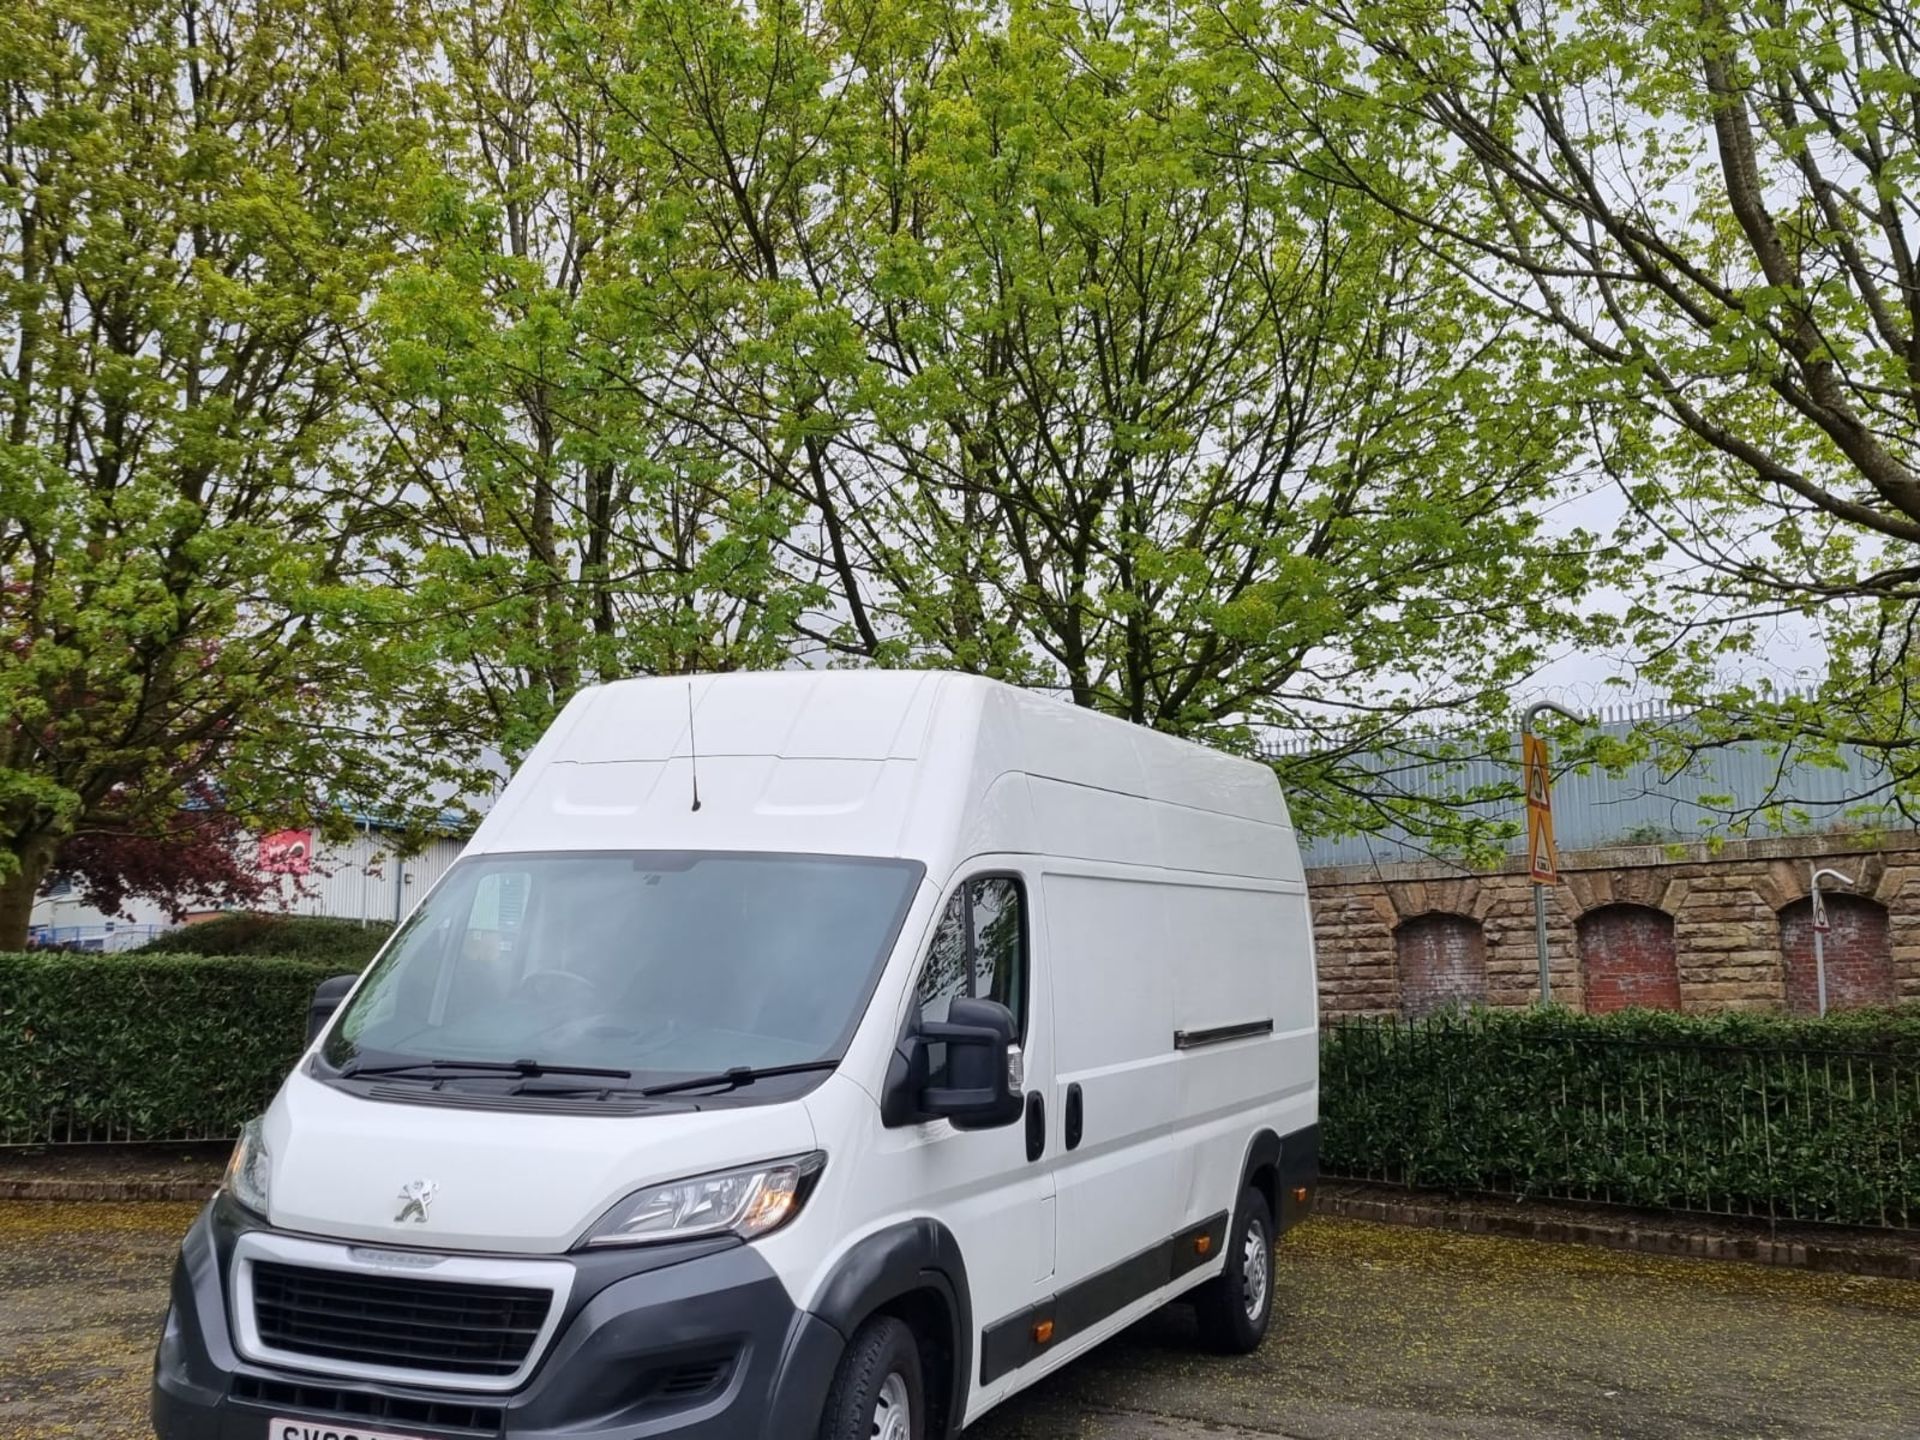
877,1392
1233,1308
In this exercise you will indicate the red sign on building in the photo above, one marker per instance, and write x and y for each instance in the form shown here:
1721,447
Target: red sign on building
287,852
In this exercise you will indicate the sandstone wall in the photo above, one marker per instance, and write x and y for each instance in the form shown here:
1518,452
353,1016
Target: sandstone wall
1703,928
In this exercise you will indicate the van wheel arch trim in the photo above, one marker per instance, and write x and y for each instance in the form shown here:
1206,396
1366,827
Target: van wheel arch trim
1295,1162
1263,1150
914,1255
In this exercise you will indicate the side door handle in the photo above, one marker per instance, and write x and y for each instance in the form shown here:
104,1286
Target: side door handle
1036,1125
1076,1118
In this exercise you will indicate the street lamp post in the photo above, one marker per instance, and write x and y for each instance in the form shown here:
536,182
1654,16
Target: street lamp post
1820,931
1539,889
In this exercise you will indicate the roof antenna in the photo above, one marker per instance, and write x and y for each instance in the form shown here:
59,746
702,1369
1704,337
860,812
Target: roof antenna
693,747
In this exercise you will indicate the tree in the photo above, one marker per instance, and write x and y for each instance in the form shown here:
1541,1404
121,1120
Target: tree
1071,384
564,532
196,855
194,202
1715,208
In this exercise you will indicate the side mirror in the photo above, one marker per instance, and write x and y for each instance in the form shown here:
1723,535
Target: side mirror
976,1092
327,996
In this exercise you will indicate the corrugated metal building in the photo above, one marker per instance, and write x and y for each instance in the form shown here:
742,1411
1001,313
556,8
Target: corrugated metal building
360,879
1646,805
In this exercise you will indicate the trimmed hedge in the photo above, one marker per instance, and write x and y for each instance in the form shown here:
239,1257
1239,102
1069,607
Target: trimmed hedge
345,944
1748,1114
1736,1113
145,1046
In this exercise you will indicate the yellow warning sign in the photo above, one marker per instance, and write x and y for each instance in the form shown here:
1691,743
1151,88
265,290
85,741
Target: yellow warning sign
1543,865
1543,862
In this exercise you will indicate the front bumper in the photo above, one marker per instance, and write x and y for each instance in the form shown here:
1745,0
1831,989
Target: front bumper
639,1331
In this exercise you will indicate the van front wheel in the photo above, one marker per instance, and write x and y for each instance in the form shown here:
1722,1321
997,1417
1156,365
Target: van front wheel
1233,1308
877,1392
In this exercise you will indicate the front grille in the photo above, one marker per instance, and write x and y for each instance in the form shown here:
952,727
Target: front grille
692,1380
339,1403
403,1323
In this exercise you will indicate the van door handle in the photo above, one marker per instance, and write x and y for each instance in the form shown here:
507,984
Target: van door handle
1076,1119
1036,1125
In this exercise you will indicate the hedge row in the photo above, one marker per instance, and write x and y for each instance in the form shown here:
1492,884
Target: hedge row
1747,1114
145,1047
1739,1114
346,944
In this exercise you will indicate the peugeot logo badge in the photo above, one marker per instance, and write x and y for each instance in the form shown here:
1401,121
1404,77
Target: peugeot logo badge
415,1197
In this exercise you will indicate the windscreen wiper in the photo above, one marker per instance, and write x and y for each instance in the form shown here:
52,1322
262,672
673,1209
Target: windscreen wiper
483,1067
741,1075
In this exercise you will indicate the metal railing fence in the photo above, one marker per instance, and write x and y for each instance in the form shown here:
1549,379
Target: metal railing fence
1781,1132
63,1129
103,938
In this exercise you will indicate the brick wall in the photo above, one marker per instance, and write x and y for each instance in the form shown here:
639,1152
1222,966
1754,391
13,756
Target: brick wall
1440,960
1858,956
1730,909
1627,958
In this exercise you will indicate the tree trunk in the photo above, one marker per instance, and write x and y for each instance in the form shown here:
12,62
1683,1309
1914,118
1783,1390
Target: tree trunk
17,891
600,488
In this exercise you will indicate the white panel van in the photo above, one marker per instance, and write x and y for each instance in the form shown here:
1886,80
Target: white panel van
788,1055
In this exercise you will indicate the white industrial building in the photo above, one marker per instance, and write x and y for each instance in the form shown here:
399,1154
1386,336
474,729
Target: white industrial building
359,879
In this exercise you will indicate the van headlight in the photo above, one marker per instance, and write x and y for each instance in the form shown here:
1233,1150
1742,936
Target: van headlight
250,1169
749,1202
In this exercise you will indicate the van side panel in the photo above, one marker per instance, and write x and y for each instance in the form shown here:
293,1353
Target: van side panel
1248,967
1231,941
1111,969
1082,822
1204,842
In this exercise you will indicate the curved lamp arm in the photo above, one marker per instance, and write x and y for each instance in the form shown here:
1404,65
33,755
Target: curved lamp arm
1535,712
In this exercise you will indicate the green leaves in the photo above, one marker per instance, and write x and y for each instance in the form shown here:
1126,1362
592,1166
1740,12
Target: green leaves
1744,1114
146,1047
469,358
1695,207
193,206
905,333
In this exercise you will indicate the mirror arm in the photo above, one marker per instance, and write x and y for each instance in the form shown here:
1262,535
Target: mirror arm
327,996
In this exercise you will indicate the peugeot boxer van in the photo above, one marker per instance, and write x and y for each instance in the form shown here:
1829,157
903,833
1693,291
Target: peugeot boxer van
788,1055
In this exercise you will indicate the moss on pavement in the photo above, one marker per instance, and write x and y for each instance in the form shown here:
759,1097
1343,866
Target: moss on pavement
1381,1332
1384,1331
82,1288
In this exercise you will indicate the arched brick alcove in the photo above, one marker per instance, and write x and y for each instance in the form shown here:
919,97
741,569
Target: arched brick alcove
1442,960
1627,958
1859,954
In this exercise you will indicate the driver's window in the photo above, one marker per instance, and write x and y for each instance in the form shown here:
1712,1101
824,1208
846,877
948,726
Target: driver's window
486,948
979,950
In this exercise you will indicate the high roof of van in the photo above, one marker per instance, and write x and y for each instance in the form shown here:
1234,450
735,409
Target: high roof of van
910,763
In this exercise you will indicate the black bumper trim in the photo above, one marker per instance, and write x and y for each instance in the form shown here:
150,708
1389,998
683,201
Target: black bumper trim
1298,1170
1026,1335
694,1343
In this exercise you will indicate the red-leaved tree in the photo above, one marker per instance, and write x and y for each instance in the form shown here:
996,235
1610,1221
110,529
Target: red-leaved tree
198,857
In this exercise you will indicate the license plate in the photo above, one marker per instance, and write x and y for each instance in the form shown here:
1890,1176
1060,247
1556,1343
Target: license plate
281,1428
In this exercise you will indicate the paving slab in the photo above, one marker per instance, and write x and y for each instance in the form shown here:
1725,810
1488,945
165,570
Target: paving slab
1395,1333
1382,1333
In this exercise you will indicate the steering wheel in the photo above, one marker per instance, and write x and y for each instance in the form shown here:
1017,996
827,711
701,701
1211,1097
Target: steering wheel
539,986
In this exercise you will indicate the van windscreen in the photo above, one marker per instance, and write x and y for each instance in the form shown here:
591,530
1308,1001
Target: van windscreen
648,965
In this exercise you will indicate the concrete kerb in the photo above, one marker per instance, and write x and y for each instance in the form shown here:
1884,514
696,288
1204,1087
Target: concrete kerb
188,1192
1896,1257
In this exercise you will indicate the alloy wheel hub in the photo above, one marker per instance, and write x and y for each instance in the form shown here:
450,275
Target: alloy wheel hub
1256,1265
892,1415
